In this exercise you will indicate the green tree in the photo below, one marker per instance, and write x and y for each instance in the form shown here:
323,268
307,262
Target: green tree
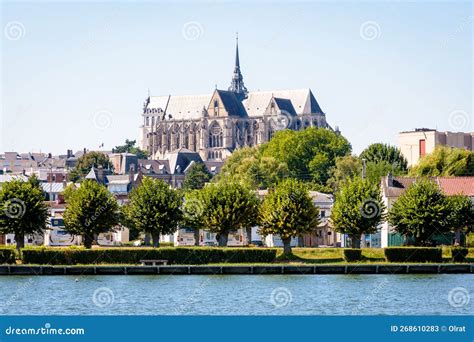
358,209
309,154
287,210
224,207
129,147
155,208
91,209
86,162
22,209
445,161
192,212
196,177
346,168
461,215
248,166
384,153
420,212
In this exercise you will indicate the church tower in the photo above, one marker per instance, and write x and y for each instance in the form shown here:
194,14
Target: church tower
237,85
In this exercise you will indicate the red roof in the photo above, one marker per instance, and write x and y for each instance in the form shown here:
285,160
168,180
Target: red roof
450,185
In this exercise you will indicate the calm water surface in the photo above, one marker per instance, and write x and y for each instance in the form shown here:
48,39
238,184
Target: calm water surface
238,295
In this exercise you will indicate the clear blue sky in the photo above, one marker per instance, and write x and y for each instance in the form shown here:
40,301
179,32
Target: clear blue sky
78,73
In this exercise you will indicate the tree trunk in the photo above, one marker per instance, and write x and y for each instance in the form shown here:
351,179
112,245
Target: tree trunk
147,239
457,237
88,240
196,237
362,241
222,239
156,239
355,241
287,246
20,240
249,235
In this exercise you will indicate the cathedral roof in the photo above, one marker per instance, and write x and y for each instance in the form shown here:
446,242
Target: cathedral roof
180,107
231,103
285,105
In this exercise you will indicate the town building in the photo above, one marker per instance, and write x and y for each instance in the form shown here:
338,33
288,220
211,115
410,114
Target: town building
217,123
393,187
415,144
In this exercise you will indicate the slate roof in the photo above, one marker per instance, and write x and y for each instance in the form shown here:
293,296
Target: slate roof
231,104
285,105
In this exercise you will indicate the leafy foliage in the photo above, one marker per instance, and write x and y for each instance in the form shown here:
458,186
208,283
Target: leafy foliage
22,209
421,212
288,211
86,162
384,153
154,208
90,210
461,213
346,168
130,147
196,177
309,154
445,161
358,209
221,208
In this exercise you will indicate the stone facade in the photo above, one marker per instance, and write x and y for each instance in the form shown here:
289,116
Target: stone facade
216,124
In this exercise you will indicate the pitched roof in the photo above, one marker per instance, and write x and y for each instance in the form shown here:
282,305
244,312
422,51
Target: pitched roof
285,105
231,104
449,185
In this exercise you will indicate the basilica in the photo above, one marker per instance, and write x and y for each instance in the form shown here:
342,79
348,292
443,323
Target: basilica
216,124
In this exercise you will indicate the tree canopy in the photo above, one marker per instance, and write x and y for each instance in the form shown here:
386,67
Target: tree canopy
384,153
221,208
155,208
86,162
129,147
22,209
196,177
358,209
445,161
91,209
287,210
421,212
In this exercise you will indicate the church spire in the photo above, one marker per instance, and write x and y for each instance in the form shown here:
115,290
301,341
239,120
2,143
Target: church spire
237,84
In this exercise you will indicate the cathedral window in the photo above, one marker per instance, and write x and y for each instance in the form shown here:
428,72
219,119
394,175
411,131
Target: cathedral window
216,107
215,136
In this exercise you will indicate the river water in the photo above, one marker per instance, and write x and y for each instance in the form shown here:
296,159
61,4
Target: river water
239,295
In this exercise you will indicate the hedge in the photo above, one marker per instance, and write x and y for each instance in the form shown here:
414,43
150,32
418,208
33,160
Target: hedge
7,255
352,254
459,254
174,255
413,254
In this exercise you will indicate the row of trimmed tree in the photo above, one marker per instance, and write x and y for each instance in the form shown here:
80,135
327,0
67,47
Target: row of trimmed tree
421,214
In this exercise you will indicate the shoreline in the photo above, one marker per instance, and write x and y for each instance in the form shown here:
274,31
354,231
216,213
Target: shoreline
348,269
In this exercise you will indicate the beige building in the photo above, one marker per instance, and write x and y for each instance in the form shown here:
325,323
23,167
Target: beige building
415,144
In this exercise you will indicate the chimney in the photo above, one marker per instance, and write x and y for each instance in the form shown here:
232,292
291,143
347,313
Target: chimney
132,173
85,151
100,173
390,180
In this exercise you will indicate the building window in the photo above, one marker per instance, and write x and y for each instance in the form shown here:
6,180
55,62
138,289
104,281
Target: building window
323,213
215,136
216,107
422,147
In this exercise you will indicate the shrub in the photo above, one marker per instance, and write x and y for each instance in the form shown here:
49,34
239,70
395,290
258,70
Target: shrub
413,254
179,255
459,254
352,254
7,255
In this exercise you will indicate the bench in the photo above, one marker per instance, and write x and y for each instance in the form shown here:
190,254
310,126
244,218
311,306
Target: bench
153,262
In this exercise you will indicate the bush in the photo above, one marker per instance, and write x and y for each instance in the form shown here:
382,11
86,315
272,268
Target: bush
178,255
352,254
459,254
413,254
7,255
